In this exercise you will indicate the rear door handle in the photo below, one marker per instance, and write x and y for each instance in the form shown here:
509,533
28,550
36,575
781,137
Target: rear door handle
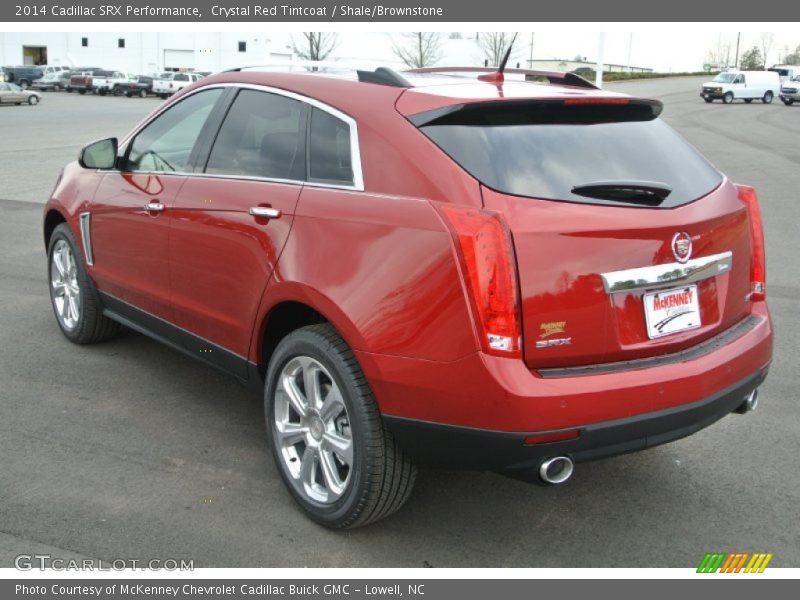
264,212
154,207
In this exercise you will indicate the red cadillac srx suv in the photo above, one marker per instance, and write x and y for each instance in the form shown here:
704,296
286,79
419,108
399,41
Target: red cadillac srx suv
423,268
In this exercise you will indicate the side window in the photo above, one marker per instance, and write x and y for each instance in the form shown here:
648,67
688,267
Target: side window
262,136
166,143
330,157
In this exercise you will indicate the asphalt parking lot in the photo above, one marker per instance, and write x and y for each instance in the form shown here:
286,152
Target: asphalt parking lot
130,450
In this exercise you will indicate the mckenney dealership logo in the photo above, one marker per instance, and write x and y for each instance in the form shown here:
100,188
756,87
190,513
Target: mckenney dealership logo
736,562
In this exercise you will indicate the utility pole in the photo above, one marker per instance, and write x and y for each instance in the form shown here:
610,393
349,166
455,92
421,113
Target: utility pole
530,62
630,45
598,76
736,61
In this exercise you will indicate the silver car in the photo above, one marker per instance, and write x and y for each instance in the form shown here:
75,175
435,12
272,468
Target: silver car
11,93
790,91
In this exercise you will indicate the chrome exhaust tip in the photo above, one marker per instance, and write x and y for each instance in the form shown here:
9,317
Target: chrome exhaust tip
750,404
556,470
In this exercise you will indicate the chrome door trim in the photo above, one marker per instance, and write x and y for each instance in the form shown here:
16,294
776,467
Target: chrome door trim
658,276
355,149
86,237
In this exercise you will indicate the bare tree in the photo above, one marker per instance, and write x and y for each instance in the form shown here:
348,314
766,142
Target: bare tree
766,44
419,48
493,45
720,54
315,45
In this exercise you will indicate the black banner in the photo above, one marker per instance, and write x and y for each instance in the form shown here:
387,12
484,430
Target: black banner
430,11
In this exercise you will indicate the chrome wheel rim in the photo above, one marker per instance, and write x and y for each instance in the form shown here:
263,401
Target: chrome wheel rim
66,293
312,431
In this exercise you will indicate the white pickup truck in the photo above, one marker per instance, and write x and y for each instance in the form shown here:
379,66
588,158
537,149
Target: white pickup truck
169,83
97,81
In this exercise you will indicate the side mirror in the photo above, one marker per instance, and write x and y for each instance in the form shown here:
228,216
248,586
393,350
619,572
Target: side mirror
99,155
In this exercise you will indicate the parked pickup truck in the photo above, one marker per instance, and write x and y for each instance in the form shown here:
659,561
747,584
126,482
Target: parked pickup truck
97,81
140,86
168,85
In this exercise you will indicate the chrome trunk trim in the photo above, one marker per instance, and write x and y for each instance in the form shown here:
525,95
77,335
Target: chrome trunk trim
658,276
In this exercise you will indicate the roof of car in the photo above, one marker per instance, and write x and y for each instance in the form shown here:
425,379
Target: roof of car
420,91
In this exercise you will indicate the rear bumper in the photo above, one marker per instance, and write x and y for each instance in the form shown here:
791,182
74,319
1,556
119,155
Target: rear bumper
485,398
445,446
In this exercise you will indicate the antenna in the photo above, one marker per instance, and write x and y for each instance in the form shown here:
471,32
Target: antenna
497,77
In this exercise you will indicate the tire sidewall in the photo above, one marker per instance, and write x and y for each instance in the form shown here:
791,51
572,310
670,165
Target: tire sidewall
728,98
306,343
62,232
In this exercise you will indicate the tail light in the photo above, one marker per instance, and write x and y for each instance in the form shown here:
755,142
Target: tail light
758,263
487,262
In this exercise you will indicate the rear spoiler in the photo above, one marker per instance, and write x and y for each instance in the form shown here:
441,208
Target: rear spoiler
531,111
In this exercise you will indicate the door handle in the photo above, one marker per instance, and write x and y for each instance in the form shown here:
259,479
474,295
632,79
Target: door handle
264,212
154,207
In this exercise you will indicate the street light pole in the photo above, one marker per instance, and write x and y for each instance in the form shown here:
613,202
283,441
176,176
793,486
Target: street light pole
736,61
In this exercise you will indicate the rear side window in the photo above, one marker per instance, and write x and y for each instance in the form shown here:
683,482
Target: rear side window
166,143
542,150
263,135
330,156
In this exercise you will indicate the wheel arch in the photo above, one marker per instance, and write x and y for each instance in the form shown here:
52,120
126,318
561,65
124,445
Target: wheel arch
52,219
287,306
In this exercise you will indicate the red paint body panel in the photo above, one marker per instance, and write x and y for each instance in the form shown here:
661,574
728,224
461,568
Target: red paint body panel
562,248
222,257
131,244
387,264
487,392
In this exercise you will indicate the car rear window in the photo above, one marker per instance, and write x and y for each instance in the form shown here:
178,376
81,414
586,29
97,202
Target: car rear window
545,149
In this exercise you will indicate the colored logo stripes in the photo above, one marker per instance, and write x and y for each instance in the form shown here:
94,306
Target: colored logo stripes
736,562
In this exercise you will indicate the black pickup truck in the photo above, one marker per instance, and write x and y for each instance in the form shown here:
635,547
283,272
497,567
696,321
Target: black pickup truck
141,87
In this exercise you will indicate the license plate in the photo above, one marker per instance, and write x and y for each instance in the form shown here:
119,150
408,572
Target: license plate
671,311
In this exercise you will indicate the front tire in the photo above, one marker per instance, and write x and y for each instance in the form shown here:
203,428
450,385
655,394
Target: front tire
767,99
788,101
708,100
728,97
72,294
33,100
339,462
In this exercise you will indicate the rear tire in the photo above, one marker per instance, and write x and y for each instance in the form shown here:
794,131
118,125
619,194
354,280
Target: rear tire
767,99
728,98
334,454
142,93
24,84
72,294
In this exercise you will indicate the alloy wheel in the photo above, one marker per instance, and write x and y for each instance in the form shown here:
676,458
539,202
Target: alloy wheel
312,431
66,292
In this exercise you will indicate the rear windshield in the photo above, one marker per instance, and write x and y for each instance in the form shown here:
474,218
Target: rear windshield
545,150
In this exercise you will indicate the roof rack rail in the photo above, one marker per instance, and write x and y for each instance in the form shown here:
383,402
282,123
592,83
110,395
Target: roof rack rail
554,77
381,75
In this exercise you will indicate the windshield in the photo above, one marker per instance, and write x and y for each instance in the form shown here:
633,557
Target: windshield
796,78
725,77
548,152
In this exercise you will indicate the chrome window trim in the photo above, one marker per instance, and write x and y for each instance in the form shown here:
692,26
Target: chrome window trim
86,237
355,148
658,276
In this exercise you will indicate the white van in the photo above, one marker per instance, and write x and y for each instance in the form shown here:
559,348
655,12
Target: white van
744,85
786,72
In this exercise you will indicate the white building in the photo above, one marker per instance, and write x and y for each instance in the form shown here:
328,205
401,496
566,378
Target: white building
141,52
